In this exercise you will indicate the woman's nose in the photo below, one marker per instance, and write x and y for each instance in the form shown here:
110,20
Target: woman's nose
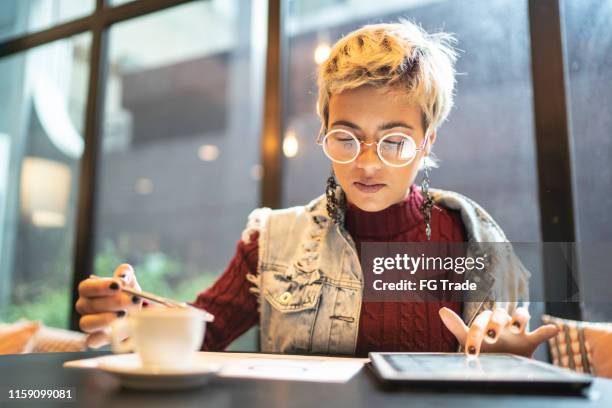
368,157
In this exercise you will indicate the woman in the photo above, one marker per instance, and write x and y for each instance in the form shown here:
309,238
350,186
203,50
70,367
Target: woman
383,92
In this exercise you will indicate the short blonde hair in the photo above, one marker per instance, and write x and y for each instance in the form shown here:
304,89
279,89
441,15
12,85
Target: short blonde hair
400,55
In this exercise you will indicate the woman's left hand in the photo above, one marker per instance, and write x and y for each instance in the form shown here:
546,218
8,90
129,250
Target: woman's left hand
497,332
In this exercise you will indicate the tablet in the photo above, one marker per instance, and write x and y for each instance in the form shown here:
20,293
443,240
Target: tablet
487,370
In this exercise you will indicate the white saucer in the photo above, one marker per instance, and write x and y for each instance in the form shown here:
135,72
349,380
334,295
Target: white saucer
128,369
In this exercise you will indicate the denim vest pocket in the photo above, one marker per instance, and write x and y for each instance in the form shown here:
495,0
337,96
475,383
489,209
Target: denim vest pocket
289,289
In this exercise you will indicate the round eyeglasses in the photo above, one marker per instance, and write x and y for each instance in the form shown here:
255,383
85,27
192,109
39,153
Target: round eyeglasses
394,149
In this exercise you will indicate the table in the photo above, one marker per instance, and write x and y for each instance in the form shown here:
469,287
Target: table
98,389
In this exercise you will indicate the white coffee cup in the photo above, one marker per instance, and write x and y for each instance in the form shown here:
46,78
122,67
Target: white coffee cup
163,338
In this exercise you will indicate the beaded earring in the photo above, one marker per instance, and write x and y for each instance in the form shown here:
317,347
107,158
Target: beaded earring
428,203
336,200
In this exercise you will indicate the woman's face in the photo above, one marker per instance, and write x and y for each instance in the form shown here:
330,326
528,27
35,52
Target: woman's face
370,113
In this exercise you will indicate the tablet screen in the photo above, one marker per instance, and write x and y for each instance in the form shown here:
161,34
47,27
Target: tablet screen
487,367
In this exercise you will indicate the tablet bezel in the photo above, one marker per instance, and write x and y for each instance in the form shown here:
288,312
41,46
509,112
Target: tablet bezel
566,380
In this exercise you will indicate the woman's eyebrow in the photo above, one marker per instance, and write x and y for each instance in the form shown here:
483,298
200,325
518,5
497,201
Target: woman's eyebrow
345,123
384,126
391,125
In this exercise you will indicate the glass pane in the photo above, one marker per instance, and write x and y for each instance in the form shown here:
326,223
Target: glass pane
492,116
486,148
180,160
18,17
41,143
589,62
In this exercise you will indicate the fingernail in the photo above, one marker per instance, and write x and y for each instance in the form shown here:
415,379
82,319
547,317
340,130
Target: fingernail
121,313
114,286
472,350
135,299
491,333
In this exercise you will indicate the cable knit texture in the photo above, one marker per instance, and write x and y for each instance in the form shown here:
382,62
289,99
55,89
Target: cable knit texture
383,326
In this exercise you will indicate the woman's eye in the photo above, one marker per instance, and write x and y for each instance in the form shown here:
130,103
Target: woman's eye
394,139
387,145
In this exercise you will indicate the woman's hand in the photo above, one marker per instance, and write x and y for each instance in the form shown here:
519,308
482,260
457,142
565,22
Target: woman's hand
100,302
497,332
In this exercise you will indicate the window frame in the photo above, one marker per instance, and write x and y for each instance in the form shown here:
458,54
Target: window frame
551,113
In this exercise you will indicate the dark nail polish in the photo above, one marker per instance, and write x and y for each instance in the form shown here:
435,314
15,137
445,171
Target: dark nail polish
114,286
491,333
135,299
517,324
121,313
472,350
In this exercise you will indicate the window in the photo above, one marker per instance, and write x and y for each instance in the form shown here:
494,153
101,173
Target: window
179,169
19,17
486,148
589,40
41,144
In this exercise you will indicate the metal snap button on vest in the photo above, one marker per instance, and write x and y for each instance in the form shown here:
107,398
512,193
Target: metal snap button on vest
285,298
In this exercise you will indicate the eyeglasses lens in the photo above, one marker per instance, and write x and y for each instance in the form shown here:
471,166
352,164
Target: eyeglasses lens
394,149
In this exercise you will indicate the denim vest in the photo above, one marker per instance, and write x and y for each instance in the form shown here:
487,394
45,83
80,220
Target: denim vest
309,279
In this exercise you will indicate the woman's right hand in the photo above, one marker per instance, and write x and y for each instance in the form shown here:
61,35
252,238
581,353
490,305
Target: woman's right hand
100,302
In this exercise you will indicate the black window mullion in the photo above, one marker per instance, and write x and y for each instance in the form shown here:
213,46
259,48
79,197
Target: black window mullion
271,141
84,250
59,32
553,147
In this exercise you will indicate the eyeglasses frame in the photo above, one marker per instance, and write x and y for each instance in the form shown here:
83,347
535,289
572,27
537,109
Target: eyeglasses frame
321,142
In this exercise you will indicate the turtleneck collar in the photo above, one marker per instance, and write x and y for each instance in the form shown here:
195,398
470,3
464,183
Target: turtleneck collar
395,219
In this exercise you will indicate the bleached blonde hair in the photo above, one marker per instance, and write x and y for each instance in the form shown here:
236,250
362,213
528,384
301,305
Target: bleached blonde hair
400,56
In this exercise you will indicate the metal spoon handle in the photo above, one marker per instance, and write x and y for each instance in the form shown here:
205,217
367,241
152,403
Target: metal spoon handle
160,299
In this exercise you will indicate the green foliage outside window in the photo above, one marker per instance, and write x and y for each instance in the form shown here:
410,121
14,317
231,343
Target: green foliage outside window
52,304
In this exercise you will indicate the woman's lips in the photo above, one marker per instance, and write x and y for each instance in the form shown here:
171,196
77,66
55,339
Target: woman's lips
368,188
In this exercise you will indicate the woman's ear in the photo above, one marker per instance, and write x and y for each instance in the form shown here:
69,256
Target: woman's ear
430,142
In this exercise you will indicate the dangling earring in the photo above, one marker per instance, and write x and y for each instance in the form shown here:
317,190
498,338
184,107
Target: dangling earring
428,202
335,204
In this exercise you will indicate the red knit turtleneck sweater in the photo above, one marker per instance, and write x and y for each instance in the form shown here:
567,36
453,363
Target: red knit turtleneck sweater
383,326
